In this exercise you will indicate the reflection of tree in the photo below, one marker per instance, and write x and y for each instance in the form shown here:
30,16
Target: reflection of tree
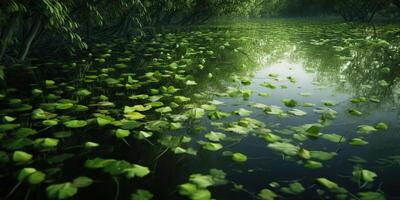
370,69
358,10
360,60
364,62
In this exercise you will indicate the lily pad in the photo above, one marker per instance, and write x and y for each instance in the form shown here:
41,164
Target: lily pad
327,183
364,175
294,188
290,102
75,123
82,181
21,157
355,112
382,126
121,133
371,196
267,194
358,142
142,195
211,146
61,191
215,136
242,112
297,112
239,157
8,127
285,148
366,129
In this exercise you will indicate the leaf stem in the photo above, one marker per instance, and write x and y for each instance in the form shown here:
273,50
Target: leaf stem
13,190
117,188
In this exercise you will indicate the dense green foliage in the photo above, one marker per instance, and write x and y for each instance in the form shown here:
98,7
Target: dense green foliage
72,24
350,10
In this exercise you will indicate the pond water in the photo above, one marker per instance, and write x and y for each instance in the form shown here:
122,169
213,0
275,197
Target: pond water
275,109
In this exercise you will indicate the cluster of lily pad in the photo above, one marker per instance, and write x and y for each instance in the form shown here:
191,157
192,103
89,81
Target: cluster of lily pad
156,92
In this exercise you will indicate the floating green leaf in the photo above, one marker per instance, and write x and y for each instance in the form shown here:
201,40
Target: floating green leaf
382,126
164,109
215,136
141,195
327,183
266,194
294,188
371,196
364,175
61,191
134,116
239,157
8,127
21,157
136,171
321,155
297,112
285,148
121,133
211,146
75,123
83,92
304,154
313,164
366,129
358,142
242,112
355,112
290,102
334,137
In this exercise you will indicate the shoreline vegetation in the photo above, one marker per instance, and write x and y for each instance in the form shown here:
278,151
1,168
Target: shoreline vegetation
71,25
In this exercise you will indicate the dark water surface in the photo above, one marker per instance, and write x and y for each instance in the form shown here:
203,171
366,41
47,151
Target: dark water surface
340,82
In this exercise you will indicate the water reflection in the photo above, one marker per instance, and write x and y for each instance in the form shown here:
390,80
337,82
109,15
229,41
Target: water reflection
334,63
